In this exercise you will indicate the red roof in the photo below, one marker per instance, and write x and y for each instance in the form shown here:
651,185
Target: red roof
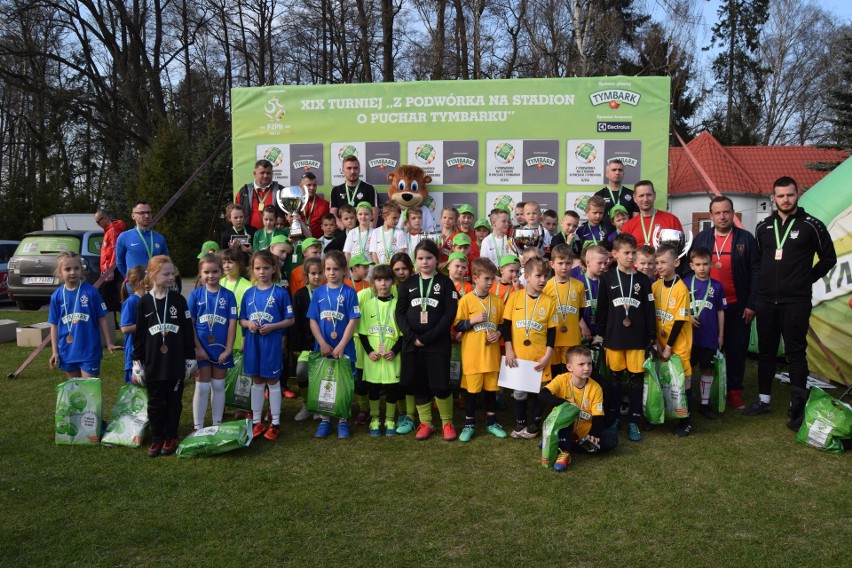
744,169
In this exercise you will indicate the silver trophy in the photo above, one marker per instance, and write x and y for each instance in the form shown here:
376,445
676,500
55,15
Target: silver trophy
436,236
521,238
291,200
672,237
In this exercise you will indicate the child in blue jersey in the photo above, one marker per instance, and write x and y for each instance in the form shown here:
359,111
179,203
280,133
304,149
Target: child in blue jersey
77,318
334,315
136,281
213,309
265,312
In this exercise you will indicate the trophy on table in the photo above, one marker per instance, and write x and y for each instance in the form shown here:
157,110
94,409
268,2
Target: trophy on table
672,237
291,200
521,238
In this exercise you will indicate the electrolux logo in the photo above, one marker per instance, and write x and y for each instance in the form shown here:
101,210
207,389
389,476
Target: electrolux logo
615,127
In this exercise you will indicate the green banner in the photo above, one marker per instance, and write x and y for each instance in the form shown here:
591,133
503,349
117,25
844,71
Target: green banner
547,140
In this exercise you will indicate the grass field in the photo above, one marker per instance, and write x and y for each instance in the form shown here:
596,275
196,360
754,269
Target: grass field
739,492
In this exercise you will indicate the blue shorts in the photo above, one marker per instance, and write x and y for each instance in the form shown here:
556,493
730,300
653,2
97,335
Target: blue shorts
91,368
262,355
228,364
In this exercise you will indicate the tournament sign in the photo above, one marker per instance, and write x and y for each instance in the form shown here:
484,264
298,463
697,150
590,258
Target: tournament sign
499,141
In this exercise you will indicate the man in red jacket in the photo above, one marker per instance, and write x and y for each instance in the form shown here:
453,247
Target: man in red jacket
110,288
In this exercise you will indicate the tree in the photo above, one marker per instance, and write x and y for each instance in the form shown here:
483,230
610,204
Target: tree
840,93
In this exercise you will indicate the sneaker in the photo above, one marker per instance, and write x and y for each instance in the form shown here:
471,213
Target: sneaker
757,408
390,428
449,432
735,400
156,448
258,430
287,393
467,434
303,414
343,430
707,412
634,434
424,432
523,433
362,418
532,428
272,433
614,426
317,416
323,430
683,430
563,459
169,447
496,430
405,426
375,428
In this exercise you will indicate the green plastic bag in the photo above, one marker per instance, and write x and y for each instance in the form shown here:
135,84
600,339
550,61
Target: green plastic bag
79,411
560,417
215,440
330,385
719,388
237,386
599,363
653,404
455,365
673,385
129,418
827,422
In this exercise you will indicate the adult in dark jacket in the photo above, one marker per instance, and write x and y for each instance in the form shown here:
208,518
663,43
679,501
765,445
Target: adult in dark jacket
258,194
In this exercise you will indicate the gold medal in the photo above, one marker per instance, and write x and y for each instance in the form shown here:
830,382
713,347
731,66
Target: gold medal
164,348
626,322
69,339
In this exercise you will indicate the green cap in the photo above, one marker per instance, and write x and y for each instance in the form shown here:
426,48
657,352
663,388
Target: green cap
616,210
309,242
482,223
359,260
278,239
467,209
461,239
364,204
208,247
457,256
508,259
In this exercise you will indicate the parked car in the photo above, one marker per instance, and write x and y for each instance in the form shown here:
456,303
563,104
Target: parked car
32,268
7,249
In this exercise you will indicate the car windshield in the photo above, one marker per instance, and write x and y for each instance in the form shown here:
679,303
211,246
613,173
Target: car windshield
47,244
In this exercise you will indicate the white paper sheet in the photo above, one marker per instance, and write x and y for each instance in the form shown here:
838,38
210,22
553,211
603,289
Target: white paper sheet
523,377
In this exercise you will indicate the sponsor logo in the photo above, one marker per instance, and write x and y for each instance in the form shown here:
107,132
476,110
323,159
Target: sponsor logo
307,164
274,109
615,98
615,127
460,162
382,163
531,324
540,162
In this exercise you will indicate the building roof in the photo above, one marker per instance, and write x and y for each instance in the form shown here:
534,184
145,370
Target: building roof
744,169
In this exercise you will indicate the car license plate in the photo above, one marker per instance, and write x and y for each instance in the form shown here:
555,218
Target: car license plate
37,280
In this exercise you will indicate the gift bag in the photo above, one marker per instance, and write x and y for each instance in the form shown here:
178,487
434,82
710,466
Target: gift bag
719,388
827,422
237,386
455,365
215,440
560,417
673,385
653,405
330,385
129,418
79,411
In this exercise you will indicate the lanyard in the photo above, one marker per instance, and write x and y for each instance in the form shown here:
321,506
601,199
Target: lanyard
460,288
718,250
650,231
484,307
527,323
500,293
558,300
165,311
215,307
592,234
149,250
779,242
582,400
261,199
73,308
423,304
266,305
615,201
311,212
502,250
362,244
668,297
383,322
336,305
629,291
388,247
591,300
350,197
692,293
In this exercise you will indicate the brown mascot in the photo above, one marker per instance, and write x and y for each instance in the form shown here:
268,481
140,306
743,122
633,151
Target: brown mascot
408,188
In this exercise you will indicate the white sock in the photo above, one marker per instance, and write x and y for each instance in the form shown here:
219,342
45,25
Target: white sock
706,383
199,403
257,392
218,400
765,398
275,402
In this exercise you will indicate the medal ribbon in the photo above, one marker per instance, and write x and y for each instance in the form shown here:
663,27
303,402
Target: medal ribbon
215,307
266,305
620,289
336,305
165,312
487,309
73,308
383,322
668,297
526,314
558,300
582,400
350,197
716,248
389,247
692,293
362,244
779,242
423,297
149,250
649,233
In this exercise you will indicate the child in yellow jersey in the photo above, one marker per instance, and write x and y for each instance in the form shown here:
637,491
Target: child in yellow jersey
529,329
478,316
587,433
674,325
569,295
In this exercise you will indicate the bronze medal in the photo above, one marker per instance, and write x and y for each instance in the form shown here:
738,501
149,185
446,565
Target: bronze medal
718,265
664,333
211,338
424,318
626,322
527,342
164,348
563,329
69,339
333,335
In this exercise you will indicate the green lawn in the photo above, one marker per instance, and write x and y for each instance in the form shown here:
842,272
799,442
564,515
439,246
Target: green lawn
738,492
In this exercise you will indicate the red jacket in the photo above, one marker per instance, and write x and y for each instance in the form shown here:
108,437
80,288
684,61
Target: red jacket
108,245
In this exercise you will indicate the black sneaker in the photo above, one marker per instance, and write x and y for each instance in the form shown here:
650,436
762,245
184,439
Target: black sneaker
707,412
683,430
757,408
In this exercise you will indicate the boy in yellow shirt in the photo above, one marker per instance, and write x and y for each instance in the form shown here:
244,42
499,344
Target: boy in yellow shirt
569,296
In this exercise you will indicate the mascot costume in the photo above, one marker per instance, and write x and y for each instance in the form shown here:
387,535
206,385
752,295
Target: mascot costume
408,188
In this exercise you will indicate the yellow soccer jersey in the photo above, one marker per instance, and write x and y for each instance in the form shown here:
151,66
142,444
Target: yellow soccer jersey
588,399
530,318
570,299
477,356
671,305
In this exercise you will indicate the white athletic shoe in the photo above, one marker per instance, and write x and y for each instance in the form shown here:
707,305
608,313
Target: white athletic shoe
303,414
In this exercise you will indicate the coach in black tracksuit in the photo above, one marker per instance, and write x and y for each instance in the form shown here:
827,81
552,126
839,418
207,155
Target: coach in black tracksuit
787,241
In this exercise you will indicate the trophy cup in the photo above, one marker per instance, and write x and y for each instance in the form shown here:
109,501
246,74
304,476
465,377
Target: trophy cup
432,235
672,237
291,200
521,238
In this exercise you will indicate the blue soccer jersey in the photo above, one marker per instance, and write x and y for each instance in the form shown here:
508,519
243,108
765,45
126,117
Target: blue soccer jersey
333,309
128,317
262,353
706,300
212,313
135,247
75,314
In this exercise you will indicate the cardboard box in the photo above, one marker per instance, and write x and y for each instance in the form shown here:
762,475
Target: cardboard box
8,330
33,335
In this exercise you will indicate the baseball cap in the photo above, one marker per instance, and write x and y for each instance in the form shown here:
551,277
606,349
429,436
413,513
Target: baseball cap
616,210
457,256
208,247
278,239
482,223
508,259
466,209
461,239
359,260
310,242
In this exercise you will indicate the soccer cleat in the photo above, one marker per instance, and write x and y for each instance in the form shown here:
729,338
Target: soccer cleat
258,430
614,426
707,412
287,393
449,432
156,448
169,447
735,400
757,408
467,434
323,430
496,430
272,432
633,433
375,428
390,428
424,432
683,430
563,459
303,414
405,426
362,418
343,430
522,434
